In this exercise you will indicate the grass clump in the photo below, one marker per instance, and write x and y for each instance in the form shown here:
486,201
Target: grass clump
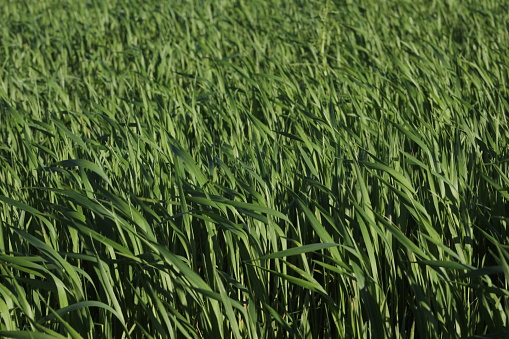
254,169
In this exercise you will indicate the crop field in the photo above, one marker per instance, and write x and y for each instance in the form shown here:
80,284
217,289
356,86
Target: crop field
254,169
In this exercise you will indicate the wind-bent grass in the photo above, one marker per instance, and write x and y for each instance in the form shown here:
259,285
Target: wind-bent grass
254,169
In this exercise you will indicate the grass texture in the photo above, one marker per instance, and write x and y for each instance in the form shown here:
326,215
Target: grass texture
254,169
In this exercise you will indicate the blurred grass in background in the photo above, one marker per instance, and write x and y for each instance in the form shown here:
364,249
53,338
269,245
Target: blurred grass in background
242,169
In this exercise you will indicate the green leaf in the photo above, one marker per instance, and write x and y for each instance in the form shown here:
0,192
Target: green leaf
298,250
85,164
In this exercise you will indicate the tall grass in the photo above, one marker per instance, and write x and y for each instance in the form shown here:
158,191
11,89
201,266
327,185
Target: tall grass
241,169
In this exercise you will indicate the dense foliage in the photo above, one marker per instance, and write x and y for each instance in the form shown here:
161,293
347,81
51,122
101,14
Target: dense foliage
254,169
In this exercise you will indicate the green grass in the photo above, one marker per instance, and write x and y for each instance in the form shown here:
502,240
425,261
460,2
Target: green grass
254,169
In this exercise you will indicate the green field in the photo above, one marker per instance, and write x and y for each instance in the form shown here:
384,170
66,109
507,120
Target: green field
254,169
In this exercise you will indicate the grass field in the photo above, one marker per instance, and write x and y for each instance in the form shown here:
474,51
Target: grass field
254,169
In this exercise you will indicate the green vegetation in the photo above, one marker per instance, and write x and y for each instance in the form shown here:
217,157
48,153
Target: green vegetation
254,169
